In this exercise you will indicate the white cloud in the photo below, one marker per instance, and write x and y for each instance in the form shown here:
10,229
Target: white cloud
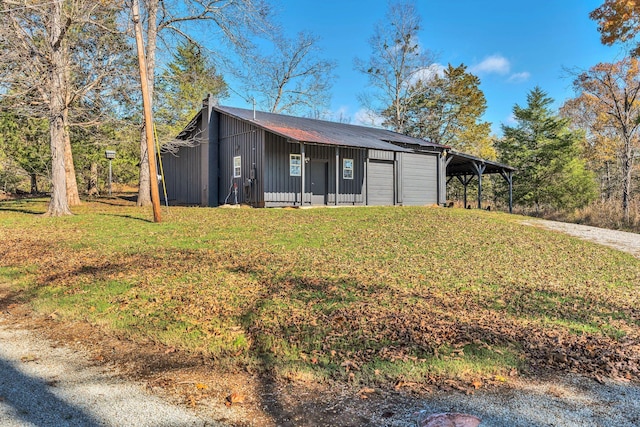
497,64
340,115
367,118
519,77
510,120
426,74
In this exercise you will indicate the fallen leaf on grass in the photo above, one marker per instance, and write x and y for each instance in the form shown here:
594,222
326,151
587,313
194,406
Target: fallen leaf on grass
201,386
348,365
192,401
234,398
364,392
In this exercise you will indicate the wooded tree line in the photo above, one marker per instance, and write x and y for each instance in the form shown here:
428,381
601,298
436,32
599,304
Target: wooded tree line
68,90
565,159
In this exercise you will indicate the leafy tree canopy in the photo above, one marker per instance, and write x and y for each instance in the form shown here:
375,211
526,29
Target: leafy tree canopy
546,153
187,78
447,109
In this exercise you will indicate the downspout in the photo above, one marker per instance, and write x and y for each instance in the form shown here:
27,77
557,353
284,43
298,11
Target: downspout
366,180
337,174
302,173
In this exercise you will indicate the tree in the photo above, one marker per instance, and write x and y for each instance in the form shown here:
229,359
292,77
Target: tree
396,63
546,153
618,21
611,93
181,86
24,140
236,19
600,147
293,77
447,109
44,72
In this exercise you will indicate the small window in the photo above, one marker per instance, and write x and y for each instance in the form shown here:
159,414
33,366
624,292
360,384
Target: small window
347,168
295,164
237,166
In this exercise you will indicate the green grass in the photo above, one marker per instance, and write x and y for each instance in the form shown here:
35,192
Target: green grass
400,293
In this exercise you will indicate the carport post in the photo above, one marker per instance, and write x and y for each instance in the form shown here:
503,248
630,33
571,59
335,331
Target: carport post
510,193
508,176
479,167
465,182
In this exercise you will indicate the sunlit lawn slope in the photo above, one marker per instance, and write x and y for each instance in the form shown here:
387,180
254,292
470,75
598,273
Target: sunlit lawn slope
368,295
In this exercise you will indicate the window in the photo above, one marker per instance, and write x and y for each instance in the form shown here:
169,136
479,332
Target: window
295,164
347,168
237,169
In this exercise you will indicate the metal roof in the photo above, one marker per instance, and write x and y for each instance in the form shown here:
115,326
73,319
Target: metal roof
462,164
307,130
332,133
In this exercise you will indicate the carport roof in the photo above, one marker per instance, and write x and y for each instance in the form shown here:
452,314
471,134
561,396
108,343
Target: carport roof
308,130
463,164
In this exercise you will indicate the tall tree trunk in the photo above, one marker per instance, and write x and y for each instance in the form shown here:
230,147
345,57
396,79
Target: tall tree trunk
627,170
73,198
608,181
34,183
92,189
58,205
144,190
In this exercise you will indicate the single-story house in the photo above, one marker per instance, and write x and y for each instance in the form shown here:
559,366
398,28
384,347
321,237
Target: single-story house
233,155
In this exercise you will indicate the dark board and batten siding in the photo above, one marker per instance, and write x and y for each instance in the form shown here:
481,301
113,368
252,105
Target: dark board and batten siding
182,174
239,138
282,189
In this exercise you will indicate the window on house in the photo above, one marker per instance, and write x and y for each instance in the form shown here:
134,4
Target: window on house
237,166
347,168
295,164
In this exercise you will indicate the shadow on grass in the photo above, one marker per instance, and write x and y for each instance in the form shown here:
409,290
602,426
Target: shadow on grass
22,205
129,217
20,210
118,201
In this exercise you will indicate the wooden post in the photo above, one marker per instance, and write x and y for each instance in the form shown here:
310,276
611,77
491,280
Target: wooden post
479,167
148,120
510,192
508,176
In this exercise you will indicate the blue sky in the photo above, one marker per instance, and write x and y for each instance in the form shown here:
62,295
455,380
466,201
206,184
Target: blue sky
511,45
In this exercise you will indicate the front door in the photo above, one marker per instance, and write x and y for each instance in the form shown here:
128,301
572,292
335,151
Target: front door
318,182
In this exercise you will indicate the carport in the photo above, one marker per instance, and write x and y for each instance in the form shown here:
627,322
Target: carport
465,167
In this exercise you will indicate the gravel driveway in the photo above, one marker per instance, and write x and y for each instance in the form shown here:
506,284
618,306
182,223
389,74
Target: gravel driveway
43,385
620,240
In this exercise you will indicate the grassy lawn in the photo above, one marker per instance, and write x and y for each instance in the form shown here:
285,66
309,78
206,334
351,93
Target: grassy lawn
366,295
